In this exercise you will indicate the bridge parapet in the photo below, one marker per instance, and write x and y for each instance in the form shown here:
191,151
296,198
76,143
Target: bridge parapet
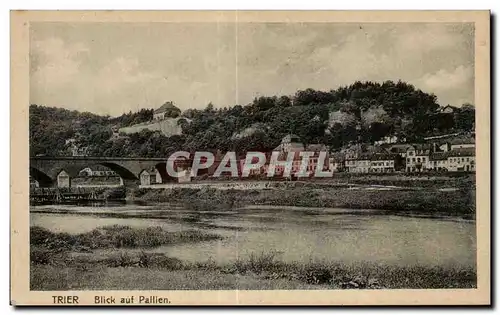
50,171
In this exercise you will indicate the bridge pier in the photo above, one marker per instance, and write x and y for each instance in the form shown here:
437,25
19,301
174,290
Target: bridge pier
63,179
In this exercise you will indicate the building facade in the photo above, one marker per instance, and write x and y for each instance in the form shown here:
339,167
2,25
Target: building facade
462,160
383,163
417,156
96,171
166,110
359,164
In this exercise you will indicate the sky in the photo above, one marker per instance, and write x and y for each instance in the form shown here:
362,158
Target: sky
112,68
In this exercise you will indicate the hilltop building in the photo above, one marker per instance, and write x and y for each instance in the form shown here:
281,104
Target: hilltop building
166,110
448,109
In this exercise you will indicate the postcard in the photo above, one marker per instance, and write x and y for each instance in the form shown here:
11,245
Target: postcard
250,158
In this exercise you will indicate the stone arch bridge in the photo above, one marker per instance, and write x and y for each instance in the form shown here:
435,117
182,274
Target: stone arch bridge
47,169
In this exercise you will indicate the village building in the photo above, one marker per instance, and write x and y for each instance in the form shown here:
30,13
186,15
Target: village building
353,151
417,157
383,163
314,160
292,143
359,164
400,149
458,160
438,161
462,160
252,172
96,170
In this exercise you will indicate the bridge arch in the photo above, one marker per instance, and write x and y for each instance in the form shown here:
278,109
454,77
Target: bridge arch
162,169
45,169
43,179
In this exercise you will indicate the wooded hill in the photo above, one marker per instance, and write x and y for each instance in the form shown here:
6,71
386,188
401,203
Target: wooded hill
363,111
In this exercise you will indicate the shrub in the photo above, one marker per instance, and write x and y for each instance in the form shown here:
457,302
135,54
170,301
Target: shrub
39,235
116,236
40,256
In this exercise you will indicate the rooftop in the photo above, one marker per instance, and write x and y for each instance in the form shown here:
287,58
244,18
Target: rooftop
453,153
168,106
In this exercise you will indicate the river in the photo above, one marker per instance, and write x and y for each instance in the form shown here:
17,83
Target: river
292,233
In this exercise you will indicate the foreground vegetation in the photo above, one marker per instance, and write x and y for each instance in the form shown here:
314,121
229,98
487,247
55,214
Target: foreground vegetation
155,271
117,257
113,236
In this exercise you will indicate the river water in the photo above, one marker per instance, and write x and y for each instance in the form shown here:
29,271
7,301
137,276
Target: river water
292,233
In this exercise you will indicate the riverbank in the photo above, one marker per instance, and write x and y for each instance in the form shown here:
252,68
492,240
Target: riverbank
120,257
423,195
456,198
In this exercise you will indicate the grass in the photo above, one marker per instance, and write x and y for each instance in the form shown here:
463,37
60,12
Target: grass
46,278
114,236
259,271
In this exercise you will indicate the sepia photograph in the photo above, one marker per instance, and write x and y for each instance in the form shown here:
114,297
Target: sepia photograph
243,151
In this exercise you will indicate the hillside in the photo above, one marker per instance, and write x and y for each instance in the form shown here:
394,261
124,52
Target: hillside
168,127
363,111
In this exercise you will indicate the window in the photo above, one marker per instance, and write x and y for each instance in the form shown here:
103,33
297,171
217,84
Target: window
413,160
410,153
467,159
418,159
408,160
423,159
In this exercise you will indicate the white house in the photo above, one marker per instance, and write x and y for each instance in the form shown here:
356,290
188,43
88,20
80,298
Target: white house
417,157
96,170
462,160
438,161
459,160
383,163
359,164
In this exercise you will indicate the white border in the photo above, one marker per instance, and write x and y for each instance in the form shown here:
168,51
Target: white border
494,5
